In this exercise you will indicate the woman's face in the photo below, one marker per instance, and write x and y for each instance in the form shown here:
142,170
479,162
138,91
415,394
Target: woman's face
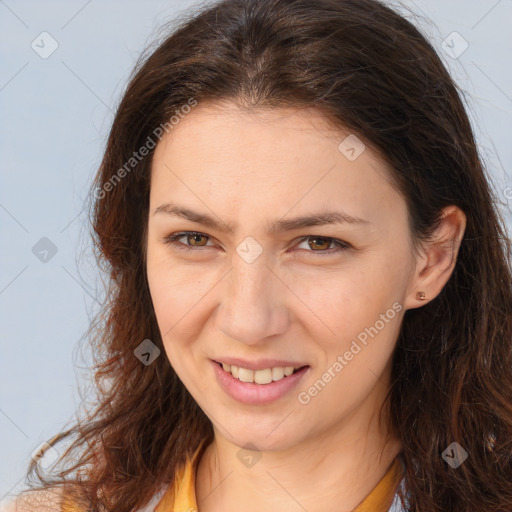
276,292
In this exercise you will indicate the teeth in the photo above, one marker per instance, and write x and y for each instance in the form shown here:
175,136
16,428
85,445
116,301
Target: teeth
277,373
245,375
258,376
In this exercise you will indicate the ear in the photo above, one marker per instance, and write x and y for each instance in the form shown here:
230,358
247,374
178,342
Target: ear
437,258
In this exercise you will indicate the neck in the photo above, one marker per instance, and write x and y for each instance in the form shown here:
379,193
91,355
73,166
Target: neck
334,470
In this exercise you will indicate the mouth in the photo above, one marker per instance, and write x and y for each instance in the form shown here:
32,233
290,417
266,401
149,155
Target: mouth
258,387
263,376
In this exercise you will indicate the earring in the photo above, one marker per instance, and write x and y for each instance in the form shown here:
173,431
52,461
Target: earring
420,295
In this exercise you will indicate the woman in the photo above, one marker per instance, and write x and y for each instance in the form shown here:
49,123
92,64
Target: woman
310,293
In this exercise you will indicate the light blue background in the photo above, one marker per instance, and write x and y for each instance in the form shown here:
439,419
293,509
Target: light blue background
55,115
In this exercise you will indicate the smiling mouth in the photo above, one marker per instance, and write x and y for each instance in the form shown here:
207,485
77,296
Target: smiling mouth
265,376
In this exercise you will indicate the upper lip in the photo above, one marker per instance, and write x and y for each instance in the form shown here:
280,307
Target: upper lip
260,364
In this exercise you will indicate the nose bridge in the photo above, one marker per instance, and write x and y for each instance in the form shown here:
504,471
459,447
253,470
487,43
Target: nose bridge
250,275
250,301
250,280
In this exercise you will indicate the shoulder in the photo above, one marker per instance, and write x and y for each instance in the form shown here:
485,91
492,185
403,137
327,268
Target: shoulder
48,500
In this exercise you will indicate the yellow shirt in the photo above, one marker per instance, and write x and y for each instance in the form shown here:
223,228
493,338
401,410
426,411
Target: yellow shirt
181,496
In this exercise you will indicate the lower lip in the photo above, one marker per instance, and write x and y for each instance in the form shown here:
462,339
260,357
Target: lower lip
257,394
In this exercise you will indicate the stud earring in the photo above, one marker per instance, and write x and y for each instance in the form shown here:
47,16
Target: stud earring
420,295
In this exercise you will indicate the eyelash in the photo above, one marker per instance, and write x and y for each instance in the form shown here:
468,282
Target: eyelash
172,240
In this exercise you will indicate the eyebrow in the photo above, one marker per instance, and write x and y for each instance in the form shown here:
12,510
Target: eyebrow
316,219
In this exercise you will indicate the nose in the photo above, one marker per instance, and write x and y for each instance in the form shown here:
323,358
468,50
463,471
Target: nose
253,302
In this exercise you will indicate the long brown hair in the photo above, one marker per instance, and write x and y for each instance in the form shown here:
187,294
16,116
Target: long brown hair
369,70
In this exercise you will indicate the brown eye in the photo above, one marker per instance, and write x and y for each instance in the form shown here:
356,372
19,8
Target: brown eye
319,243
195,237
192,240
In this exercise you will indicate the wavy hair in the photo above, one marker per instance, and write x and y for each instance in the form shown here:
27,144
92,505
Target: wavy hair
368,69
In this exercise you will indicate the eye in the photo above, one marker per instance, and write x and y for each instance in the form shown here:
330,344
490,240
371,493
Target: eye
318,244
174,238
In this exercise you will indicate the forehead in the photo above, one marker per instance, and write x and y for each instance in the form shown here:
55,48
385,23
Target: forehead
260,138
209,123
224,155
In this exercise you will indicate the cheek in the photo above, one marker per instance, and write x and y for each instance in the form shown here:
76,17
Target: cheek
176,298
176,304
363,320
176,290
341,303
356,321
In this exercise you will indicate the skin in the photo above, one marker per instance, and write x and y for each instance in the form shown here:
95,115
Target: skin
292,302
